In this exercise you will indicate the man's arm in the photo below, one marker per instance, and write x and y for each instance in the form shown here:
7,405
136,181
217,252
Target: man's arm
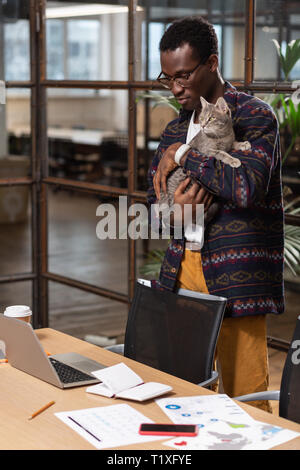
249,182
195,195
151,196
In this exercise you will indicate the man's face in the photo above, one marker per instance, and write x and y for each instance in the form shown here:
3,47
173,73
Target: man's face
183,60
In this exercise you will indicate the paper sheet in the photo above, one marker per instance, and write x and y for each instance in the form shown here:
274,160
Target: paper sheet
225,436
118,378
122,382
108,426
223,425
145,392
203,409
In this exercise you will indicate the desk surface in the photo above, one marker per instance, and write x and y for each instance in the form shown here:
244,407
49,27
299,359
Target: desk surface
22,394
83,136
79,136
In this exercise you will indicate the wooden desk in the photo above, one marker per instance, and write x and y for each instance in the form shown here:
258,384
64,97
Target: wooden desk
21,395
91,137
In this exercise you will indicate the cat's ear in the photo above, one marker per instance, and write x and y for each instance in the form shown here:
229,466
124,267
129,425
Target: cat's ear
204,103
222,105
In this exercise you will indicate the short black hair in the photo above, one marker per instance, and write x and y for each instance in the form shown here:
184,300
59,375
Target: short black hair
193,30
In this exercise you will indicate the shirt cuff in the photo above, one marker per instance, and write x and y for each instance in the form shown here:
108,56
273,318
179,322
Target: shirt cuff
180,152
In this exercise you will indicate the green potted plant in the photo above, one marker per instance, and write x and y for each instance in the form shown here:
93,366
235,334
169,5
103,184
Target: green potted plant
286,107
292,122
289,57
292,239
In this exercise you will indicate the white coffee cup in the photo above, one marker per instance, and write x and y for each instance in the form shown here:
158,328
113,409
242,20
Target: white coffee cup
20,312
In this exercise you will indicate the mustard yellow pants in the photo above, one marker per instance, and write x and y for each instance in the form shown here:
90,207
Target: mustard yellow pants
242,344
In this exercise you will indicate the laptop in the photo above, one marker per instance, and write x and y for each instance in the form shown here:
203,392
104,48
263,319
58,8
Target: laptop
25,352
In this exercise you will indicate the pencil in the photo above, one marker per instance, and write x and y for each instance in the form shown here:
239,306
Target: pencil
41,409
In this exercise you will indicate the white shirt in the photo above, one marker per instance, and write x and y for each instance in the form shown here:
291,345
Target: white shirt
193,129
194,233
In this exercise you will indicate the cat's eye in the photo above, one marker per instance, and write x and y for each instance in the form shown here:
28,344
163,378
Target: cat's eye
210,119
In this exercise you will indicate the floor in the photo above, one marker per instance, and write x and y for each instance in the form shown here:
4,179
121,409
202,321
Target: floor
75,251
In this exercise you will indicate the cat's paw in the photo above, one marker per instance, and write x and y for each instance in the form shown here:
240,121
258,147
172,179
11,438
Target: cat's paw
231,161
242,145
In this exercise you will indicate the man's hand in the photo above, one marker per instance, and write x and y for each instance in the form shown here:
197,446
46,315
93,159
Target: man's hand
195,195
165,166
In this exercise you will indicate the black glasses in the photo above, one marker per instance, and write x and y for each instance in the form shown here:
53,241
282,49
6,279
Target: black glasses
183,80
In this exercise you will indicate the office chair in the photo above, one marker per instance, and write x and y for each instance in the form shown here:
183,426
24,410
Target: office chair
174,332
289,393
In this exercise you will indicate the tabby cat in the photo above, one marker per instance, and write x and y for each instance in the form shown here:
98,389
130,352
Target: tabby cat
215,138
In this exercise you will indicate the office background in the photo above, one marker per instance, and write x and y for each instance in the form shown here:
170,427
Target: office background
83,133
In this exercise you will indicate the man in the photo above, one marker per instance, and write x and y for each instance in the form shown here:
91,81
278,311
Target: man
242,255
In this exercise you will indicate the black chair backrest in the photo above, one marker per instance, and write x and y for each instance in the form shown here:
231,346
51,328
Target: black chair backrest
174,333
289,403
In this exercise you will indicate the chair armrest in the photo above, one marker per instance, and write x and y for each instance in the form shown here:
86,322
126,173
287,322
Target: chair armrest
116,348
211,380
267,395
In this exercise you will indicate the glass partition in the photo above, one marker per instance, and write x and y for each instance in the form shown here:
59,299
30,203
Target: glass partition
15,154
88,135
18,125
15,34
228,19
83,239
19,293
153,108
279,20
86,316
87,42
153,114
92,129
15,225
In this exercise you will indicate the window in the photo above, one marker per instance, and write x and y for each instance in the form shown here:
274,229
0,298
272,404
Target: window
55,51
16,56
72,49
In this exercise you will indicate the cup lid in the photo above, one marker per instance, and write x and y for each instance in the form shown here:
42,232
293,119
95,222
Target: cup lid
17,311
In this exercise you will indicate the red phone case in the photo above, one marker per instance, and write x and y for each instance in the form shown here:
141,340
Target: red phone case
169,433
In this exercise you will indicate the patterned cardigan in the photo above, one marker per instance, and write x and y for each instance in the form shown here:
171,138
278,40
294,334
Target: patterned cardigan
242,254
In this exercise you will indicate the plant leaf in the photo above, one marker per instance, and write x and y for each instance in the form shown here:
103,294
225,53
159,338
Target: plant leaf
290,57
160,100
291,267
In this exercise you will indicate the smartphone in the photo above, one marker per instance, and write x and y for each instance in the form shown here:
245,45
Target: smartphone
169,429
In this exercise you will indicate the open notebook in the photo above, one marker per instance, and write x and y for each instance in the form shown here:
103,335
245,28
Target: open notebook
119,381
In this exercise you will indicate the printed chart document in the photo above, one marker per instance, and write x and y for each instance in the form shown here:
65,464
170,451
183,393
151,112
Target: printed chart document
223,425
122,382
108,426
203,409
227,436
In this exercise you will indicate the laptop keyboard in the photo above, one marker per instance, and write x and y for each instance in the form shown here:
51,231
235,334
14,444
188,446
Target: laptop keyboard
68,374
